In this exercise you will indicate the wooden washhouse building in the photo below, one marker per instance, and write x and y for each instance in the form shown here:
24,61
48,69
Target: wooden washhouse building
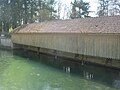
95,40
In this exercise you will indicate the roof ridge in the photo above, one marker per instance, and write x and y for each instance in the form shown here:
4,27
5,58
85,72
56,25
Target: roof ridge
105,24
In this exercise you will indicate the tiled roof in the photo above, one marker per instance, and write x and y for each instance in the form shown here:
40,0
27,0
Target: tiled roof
88,25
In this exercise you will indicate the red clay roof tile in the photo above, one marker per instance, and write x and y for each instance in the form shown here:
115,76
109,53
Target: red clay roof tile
88,25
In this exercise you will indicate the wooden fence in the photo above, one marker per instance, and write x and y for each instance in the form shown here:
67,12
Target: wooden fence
5,42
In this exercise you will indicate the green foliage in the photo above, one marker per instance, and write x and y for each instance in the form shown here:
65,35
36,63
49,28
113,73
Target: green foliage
80,9
17,12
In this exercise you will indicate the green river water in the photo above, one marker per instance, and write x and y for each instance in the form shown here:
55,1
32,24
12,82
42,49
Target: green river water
27,71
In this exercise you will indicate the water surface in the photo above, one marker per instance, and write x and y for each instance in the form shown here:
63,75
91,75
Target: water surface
27,71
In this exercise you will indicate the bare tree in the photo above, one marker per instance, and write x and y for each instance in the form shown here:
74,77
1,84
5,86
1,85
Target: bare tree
66,12
103,9
59,8
109,7
114,7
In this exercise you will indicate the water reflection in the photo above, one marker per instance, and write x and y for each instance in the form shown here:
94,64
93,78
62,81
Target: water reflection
27,71
88,75
66,69
106,76
116,84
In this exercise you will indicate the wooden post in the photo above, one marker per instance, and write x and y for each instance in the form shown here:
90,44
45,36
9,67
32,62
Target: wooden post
108,61
38,50
76,56
55,52
82,58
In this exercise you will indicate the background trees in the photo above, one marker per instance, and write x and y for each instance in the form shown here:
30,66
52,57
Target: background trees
103,8
108,7
16,12
80,9
114,7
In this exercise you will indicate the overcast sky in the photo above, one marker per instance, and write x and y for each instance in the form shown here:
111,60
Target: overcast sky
93,5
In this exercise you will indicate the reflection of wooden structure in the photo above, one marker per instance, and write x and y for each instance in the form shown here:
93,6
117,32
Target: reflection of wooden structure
92,37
